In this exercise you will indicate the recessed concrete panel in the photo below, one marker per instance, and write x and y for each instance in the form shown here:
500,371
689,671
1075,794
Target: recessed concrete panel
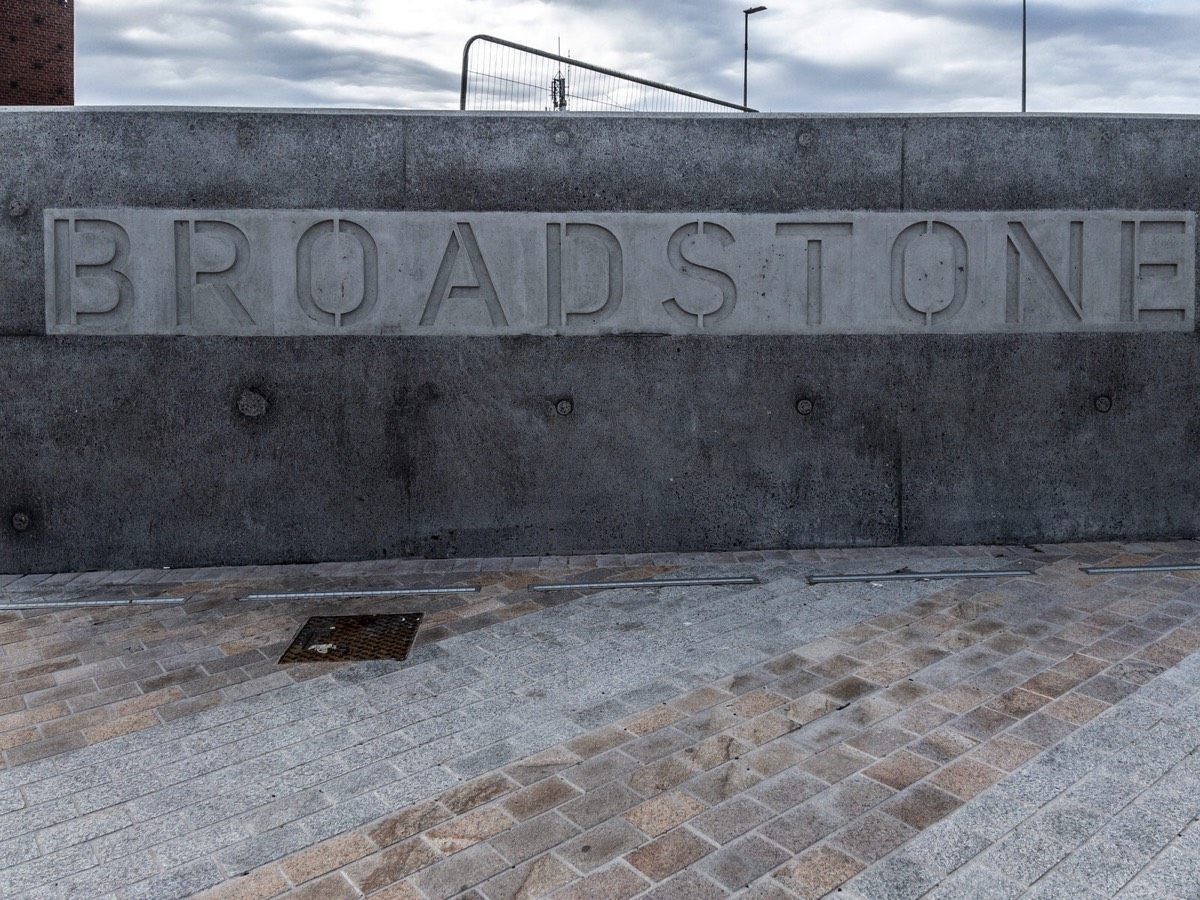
314,272
224,403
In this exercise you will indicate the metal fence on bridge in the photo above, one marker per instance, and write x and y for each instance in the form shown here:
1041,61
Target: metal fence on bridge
500,75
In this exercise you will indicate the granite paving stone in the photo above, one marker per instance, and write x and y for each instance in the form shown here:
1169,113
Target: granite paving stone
970,738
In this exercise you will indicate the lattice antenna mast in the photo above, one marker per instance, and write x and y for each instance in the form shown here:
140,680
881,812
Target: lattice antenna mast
558,86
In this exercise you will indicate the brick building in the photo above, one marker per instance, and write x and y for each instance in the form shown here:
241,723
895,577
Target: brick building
37,52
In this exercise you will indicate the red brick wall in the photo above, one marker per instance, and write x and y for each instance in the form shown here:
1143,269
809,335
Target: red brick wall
37,52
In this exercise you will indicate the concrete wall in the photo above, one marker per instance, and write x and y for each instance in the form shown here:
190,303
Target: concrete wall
136,450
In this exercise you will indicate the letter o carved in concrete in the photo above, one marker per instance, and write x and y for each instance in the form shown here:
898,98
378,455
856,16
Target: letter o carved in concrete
305,293
929,272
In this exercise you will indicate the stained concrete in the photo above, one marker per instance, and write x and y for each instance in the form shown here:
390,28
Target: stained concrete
128,451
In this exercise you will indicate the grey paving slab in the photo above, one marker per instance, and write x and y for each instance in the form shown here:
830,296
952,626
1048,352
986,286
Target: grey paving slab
344,748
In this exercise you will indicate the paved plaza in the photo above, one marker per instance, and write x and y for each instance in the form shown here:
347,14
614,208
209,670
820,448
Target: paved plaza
1029,735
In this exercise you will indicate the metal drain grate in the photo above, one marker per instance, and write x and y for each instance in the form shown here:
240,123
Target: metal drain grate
354,638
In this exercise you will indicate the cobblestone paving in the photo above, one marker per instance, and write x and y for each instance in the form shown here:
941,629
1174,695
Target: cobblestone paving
973,738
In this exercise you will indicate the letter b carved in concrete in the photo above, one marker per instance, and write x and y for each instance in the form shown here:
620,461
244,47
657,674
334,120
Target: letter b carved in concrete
91,280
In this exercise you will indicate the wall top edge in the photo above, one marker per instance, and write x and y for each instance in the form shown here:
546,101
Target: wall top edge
503,114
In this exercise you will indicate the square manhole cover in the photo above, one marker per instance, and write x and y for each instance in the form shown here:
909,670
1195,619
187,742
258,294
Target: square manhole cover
354,638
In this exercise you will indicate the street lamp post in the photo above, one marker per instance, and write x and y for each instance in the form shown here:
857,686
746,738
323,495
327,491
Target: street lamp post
746,57
1024,53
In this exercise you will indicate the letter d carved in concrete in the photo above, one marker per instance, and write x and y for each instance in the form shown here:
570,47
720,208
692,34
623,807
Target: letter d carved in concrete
90,271
595,234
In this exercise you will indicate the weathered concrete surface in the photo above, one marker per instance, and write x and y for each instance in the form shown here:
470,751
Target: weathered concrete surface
133,450
270,273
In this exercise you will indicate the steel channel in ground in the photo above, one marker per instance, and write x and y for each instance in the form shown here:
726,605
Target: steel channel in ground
87,604
663,582
918,576
395,592
1127,570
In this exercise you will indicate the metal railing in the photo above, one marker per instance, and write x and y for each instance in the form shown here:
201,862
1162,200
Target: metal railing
515,77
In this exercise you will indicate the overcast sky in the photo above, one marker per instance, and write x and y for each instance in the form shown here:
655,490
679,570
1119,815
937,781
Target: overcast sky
829,56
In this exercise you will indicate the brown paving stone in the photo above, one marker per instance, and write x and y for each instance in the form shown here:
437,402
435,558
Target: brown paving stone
1005,752
77,722
1018,702
787,790
859,634
922,805
817,872
600,845
35,750
810,708
257,885
872,836
802,827
1136,671
331,887
599,741
668,854
540,765
944,745
541,796
923,718
1076,708
850,688
836,763
651,720
835,666
966,777
396,862
405,824
1081,665
888,671
600,804
476,793
662,775
901,769
775,757
400,891
764,728
723,782
617,882
714,751
465,831
534,879
1051,684
983,722
326,856
127,725
664,812
699,699
17,738
756,703
786,664
961,698
880,740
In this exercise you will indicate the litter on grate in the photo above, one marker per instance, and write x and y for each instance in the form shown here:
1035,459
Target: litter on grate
354,638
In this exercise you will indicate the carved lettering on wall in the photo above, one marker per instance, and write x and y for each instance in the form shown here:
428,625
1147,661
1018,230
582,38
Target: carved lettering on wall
312,272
